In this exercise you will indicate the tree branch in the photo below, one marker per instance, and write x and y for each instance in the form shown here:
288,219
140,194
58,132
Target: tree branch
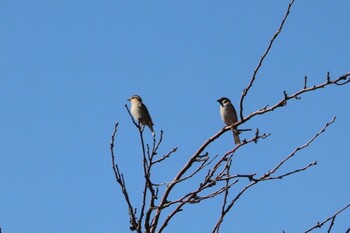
300,148
320,224
245,91
218,179
267,176
120,180
338,81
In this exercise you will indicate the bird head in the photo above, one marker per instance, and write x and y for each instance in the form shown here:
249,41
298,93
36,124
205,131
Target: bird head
224,101
135,98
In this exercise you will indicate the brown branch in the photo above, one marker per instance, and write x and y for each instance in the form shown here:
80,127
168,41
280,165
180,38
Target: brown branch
305,82
224,202
344,79
290,173
147,165
155,147
245,91
192,198
320,224
203,159
149,186
218,173
167,155
331,225
197,155
178,178
267,176
300,148
209,181
228,208
120,180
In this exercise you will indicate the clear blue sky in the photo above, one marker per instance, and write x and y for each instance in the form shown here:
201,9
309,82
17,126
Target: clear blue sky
67,68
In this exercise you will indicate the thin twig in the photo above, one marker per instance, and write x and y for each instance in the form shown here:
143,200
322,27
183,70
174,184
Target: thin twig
245,92
267,176
194,198
167,155
320,224
208,182
338,81
290,173
223,206
120,180
331,225
228,208
164,201
301,147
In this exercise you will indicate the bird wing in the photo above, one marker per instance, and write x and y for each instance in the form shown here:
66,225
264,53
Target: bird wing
147,115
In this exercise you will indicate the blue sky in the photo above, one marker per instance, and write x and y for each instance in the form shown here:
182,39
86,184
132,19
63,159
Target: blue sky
67,68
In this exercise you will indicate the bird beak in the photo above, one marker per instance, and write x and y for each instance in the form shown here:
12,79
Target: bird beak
218,101
128,99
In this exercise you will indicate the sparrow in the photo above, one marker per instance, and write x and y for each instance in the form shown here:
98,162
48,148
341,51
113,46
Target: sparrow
229,115
140,113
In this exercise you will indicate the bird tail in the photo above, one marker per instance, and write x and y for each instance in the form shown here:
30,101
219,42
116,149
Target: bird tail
150,126
236,138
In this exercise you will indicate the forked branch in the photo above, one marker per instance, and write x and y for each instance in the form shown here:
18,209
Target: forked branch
274,37
332,219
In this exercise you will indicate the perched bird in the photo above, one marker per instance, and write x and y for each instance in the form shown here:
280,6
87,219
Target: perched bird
140,113
229,115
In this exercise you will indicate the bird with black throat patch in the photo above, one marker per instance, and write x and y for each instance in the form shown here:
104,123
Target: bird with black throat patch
229,116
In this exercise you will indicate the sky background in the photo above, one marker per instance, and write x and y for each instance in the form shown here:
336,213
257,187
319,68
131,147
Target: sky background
68,67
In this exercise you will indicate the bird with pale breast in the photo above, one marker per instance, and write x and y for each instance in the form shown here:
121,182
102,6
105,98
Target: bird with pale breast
229,115
140,113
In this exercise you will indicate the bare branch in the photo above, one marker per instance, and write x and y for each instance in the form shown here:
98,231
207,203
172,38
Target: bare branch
320,224
210,181
155,147
192,198
224,203
331,225
228,207
120,180
165,156
147,166
339,81
290,173
178,177
218,179
245,91
300,148
344,79
267,176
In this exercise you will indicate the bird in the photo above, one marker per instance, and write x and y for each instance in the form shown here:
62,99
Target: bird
140,113
229,115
